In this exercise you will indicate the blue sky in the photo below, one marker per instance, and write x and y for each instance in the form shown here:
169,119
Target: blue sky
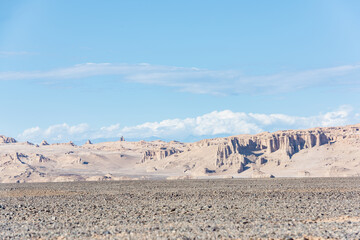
176,69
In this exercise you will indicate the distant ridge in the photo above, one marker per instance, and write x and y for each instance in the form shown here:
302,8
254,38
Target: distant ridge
315,152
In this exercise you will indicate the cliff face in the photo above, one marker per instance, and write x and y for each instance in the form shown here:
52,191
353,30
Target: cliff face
317,152
158,154
241,150
288,143
244,149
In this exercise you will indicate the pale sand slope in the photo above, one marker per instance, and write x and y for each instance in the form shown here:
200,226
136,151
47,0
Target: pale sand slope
318,152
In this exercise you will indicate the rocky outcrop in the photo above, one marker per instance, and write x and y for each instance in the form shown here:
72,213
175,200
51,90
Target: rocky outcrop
44,143
122,139
27,159
88,142
332,151
4,139
15,167
292,142
347,134
41,158
78,160
241,150
226,156
158,154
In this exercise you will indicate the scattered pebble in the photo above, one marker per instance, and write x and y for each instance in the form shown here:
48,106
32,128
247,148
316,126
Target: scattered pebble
183,209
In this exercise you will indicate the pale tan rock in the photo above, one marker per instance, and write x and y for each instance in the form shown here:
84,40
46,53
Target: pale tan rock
316,152
4,139
44,143
158,154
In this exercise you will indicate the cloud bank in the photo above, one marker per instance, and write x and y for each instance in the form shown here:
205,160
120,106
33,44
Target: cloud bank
211,124
202,81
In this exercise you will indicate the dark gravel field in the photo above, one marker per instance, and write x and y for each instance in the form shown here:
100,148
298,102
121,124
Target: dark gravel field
183,209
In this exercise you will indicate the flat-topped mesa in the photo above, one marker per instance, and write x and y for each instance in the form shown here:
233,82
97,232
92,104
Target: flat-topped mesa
287,142
343,134
293,141
4,139
158,154
206,142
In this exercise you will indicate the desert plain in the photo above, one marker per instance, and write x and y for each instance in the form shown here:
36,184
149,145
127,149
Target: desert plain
291,184
305,208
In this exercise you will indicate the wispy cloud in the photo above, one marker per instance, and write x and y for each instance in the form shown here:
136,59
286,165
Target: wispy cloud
56,133
212,124
202,81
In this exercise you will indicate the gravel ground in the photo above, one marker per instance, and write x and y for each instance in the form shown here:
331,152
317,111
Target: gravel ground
183,209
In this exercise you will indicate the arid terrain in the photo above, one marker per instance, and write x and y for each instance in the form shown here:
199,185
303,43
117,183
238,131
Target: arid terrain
65,193
302,208
317,152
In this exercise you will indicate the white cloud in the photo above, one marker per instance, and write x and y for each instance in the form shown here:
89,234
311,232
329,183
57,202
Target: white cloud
211,124
58,132
31,133
338,117
110,128
202,81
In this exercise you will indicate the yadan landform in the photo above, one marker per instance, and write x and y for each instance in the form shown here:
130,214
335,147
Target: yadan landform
198,205
316,152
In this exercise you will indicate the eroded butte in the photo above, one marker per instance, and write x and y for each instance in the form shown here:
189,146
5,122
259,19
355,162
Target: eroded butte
316,152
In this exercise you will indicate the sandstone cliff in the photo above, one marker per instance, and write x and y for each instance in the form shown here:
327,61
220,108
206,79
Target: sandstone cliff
252,152
241,150
158,154
317,152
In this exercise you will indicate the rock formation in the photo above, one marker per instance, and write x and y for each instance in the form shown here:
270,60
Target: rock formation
238,150
317,152
41,158
88,142
4,139
244,153
44,143
158,154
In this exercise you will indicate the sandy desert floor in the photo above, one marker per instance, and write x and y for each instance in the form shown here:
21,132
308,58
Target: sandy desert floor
311,208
